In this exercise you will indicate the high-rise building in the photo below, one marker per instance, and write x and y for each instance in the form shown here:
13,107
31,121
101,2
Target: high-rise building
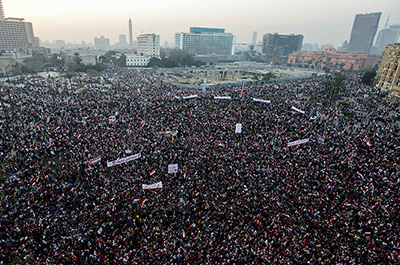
363,32
286,44
1,10
102,43
15,33
254,39
387,36
148,45
122,39
205,41
388,74
130,32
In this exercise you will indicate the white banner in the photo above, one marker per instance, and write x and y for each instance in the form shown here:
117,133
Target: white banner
123,160
172,168
299,110
303,141
222,97
157,185
94,160
191,96
261,100
238,128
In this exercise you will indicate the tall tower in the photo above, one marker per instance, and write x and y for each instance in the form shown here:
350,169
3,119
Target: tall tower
130,31
363,32
1,10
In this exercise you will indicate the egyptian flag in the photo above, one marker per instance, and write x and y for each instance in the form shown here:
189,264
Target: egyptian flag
136,200
152,172
183,233
143,202
242,89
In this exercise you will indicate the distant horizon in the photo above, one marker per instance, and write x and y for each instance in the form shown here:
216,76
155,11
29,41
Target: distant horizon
320,21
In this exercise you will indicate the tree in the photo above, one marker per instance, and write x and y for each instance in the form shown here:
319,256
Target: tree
368,78
334,83
154,61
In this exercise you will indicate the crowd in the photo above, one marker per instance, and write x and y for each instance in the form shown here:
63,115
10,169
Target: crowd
237,198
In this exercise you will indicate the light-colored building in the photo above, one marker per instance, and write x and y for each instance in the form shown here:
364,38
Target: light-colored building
205,41
387,36
134,60
102,43
6,67
388,74
16,34
334,60
148,45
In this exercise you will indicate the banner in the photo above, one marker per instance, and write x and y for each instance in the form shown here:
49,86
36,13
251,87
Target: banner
123,160
94,160
157,185
299,110
303,141
241,95
166,133
172,168
261,100
222,97
111,119
189,97
238,128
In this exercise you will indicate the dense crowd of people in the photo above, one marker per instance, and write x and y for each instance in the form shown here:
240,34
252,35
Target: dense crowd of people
237,198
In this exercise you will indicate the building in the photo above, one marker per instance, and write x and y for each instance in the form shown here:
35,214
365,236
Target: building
387,36
130,31
286,44
16,34
363,32
102,43
148,45
332,59
122,40
134,60
205,41
1,10
388,74
7,67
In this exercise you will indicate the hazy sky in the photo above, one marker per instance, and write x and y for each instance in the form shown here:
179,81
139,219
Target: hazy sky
320,21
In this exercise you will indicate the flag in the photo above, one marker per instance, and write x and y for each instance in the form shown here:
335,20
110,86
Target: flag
136,200
143,202
152,172
241,95
183,232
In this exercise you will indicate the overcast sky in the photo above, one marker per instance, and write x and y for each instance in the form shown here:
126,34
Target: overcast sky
320,21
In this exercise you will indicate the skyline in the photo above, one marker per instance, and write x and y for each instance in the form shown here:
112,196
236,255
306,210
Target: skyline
319,21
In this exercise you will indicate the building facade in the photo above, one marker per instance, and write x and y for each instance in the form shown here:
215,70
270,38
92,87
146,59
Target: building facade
134,60
334,60
286,44
363,32
387,36
205,41
102,43
16,34
388,74
148,45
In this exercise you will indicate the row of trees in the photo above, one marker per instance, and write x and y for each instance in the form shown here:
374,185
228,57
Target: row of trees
175,58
